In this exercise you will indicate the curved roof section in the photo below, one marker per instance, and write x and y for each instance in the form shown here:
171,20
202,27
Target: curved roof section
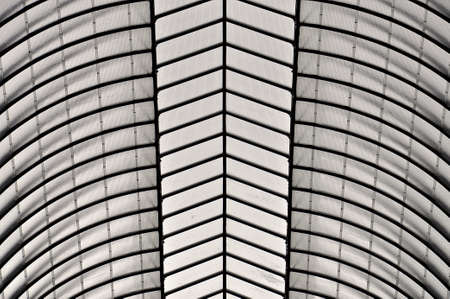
370,201
224,148
79,209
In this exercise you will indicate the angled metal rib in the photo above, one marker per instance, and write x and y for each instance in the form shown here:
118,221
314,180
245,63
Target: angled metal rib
224,147
222,136
157,147
291,145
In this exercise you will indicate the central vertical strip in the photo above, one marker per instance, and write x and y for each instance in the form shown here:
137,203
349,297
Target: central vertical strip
157,146
291,144
224,144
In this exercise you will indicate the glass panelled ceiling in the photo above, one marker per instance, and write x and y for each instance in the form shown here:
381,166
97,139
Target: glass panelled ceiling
224,149
79,204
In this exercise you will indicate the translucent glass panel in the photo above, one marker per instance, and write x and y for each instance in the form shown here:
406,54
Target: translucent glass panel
370,182
79,212
224,99
292,148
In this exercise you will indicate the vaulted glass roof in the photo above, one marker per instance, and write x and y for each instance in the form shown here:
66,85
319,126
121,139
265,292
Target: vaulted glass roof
224,149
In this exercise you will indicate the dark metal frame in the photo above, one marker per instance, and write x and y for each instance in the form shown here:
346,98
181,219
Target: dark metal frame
29,35
393,151
10,206
63,47
224,69
130,274
379,69
432,10
252,244
18,124
102,263
11,181
389,19
84,250
224,134
336,280
396,128
378,42
23,266
427,243
380,236
291,145
388,148
367,251
377,94
20,12
140,292
62,124
5,234
192,283
441,255
157,147
224,145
